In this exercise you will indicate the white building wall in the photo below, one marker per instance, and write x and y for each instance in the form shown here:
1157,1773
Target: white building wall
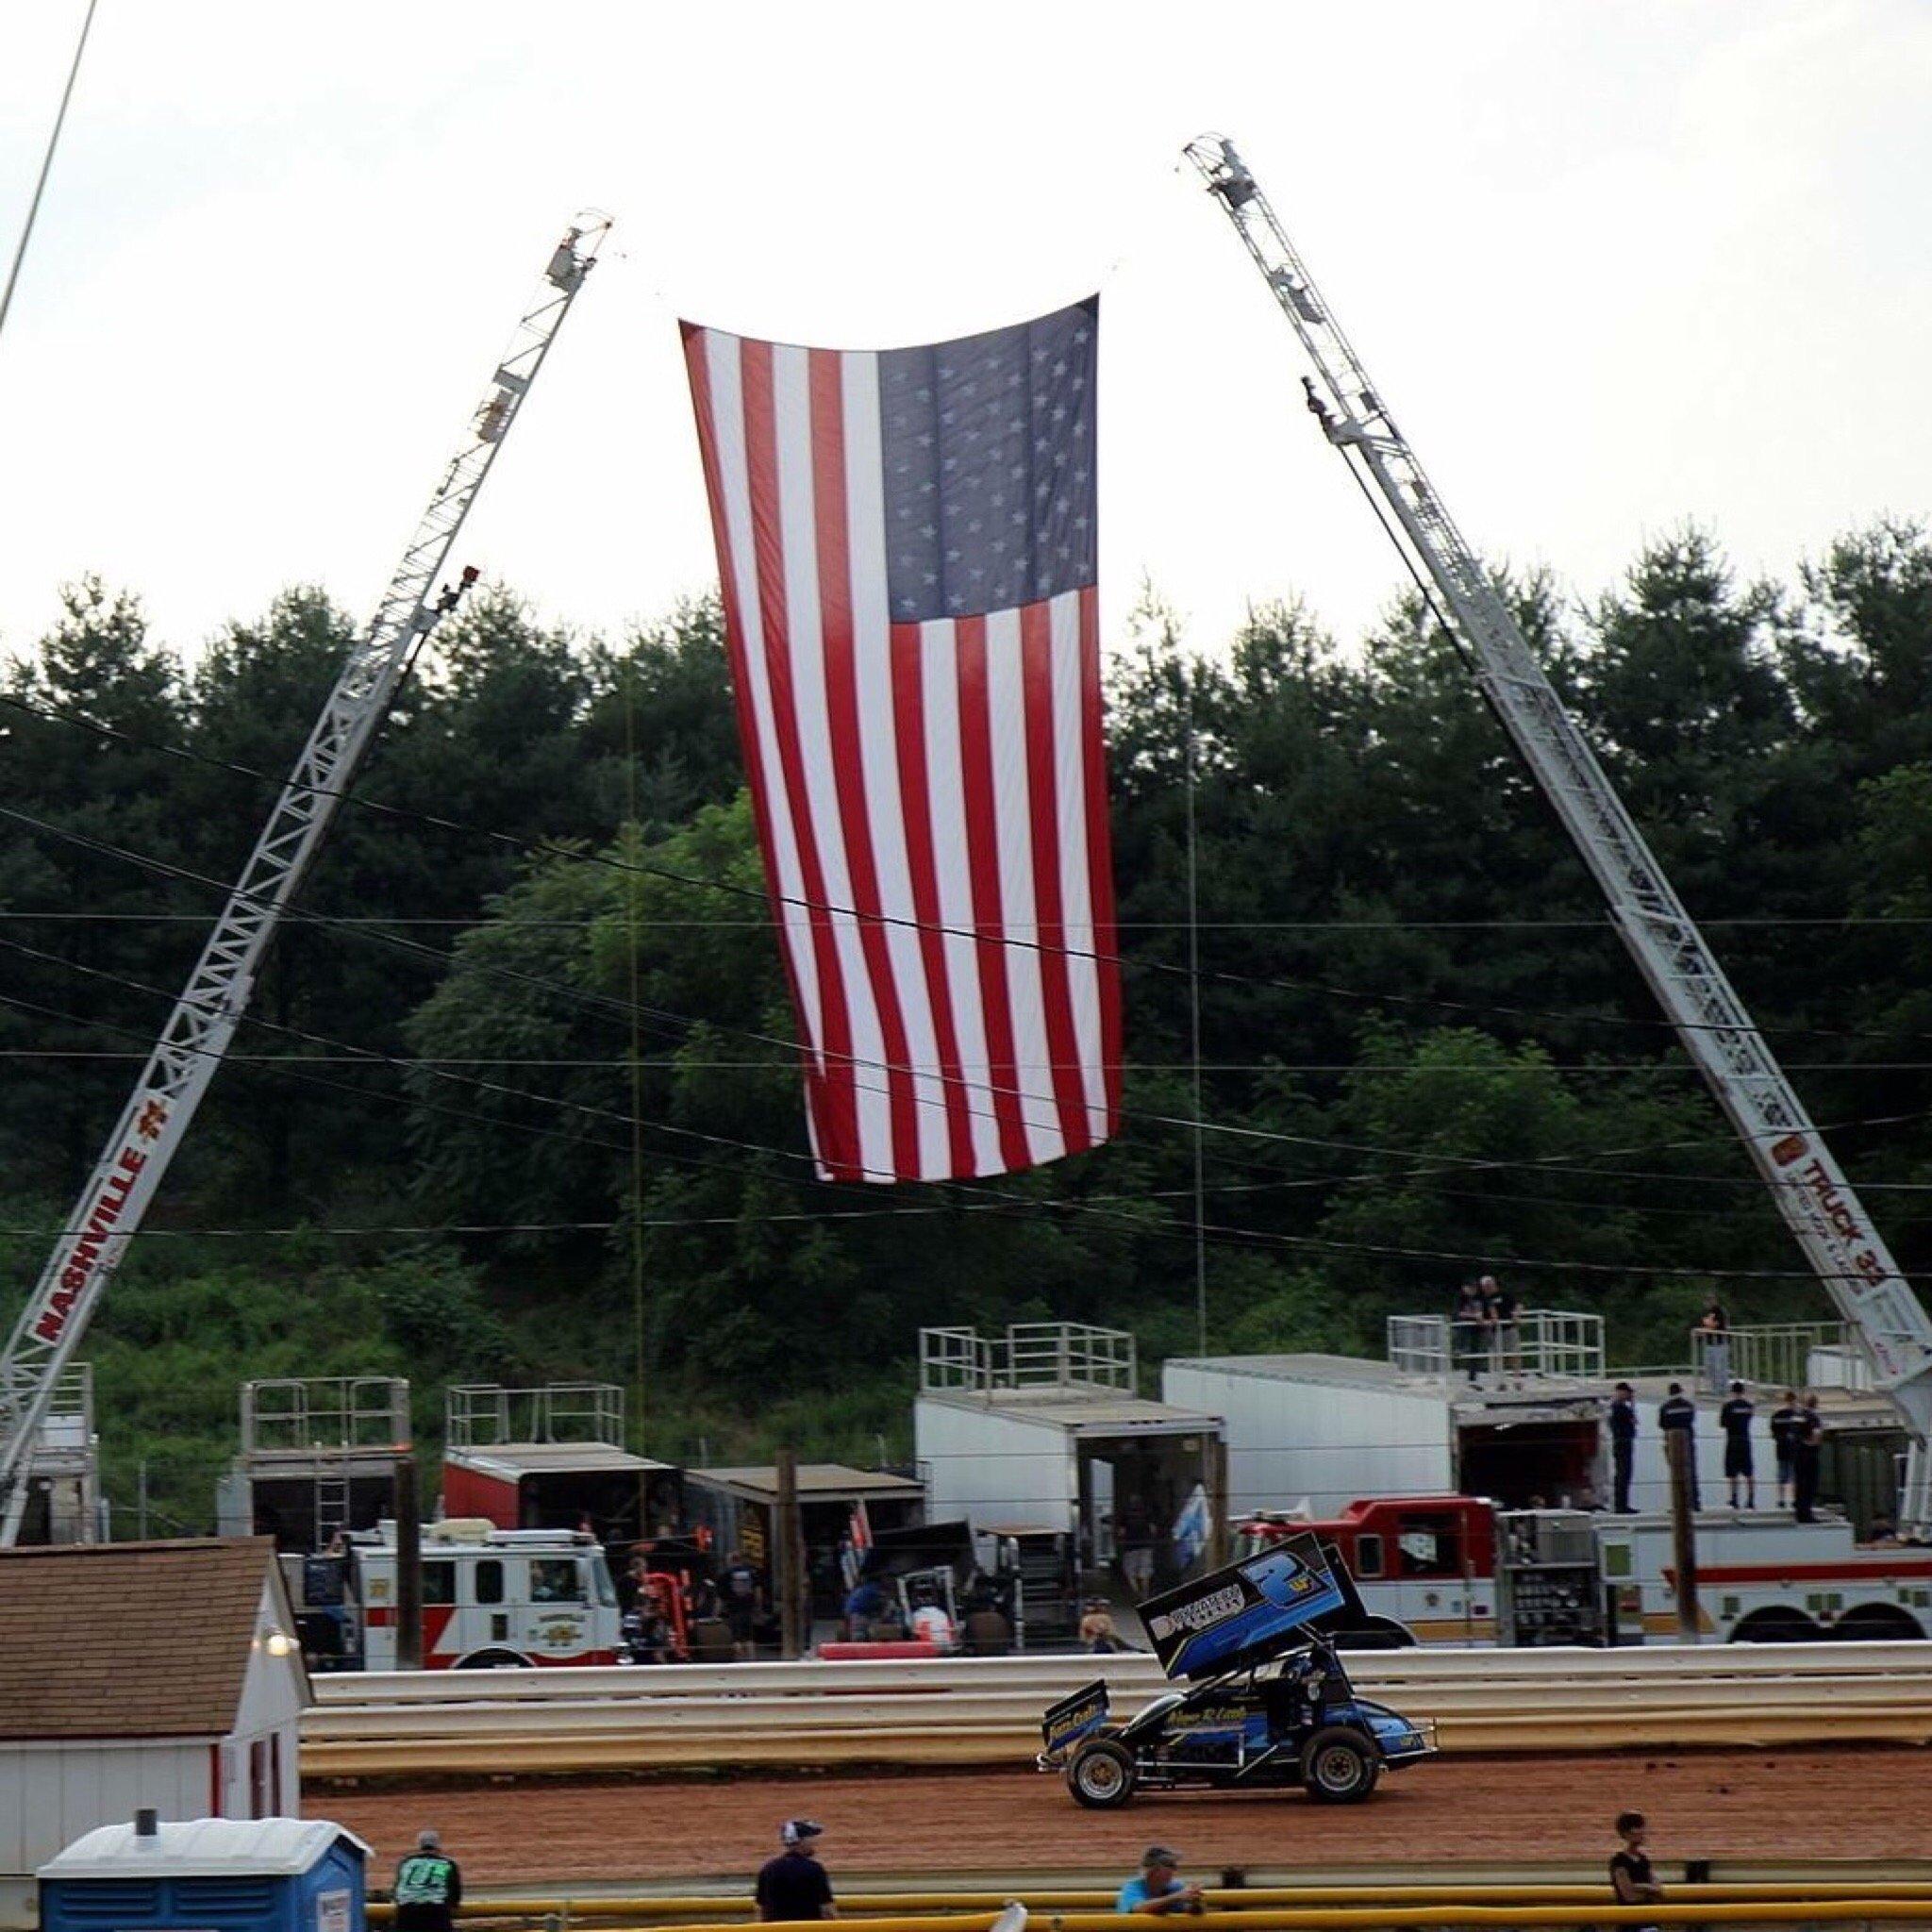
994,1469
50,1793
1319,1442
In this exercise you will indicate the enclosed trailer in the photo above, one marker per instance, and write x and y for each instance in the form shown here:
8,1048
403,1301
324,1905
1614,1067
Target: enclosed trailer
1043,1428
738,1510
319,1459
552,1457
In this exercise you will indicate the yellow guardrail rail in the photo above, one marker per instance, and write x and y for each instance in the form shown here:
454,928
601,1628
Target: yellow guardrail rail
1370,1918
960,1911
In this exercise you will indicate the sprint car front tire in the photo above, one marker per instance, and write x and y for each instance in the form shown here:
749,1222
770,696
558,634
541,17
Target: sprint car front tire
1101,1775
1340,1766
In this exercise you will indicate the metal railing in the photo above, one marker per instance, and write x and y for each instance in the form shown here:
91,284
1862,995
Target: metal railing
1030,1355
1542,1345
325,1414
486,1415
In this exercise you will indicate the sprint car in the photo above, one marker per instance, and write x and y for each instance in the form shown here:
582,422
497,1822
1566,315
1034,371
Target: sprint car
1271,1702
1294,1721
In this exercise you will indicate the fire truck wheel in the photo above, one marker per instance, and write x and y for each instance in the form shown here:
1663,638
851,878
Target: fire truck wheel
1877,1624
1340,1766
1100,1777
493,1660
1777,1626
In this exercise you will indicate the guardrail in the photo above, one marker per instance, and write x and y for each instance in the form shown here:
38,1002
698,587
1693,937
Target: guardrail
1374,1918
986,1710
1243,1901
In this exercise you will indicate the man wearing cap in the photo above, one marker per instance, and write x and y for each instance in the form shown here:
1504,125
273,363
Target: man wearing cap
428,1887
794,1885
1157,1886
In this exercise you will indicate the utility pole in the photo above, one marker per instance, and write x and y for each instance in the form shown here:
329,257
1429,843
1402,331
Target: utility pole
788,1556
1681,1455
408,1567
1216,1486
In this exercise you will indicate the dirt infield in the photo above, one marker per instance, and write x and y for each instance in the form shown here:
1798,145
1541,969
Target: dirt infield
1858,1803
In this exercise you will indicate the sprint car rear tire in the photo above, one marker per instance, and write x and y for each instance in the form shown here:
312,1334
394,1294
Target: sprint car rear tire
1340,1766
1101,1775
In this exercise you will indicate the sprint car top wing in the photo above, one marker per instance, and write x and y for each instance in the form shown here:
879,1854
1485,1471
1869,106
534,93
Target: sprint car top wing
1245,1614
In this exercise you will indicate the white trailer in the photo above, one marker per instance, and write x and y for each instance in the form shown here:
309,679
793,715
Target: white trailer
1530,1433
1319,1429
1042,1428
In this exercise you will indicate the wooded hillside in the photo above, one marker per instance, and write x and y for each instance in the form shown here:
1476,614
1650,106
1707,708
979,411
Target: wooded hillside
517,1099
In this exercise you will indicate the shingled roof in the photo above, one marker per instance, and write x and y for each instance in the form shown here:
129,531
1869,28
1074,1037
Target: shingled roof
127,1640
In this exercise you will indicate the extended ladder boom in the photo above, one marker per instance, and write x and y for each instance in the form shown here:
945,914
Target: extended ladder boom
204,1020
1824,1214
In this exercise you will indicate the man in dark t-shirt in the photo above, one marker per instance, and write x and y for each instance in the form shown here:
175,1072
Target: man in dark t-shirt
1623,1445
1631,1877
1736,1417
1678,1412
741,1595
794,1885
1787,1421
1805,1450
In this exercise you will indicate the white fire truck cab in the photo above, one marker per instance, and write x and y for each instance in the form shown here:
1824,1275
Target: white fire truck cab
490,1597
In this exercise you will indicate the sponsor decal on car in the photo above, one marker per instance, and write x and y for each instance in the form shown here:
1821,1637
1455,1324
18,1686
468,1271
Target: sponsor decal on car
1241,1614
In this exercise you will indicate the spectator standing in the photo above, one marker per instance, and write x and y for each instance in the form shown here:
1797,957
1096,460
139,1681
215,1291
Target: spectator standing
1736,1417
1680,1413
1806,1453
794,1885
863,1606
742,1589
1468,1324
1499,1311
1623,1445
1631,1877
1712,1335
1097,1634
1786,1419
1137,1547
1157,1887
428,1887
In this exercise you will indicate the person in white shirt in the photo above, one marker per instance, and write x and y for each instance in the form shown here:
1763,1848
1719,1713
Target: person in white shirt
931,1625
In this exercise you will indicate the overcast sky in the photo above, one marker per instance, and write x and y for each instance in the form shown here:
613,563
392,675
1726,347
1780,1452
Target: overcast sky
1612,266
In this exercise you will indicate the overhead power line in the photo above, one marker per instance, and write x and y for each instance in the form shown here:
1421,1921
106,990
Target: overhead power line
1235,1234
547,849
579,995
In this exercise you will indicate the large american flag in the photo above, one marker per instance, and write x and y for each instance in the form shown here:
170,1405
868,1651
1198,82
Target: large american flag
905,539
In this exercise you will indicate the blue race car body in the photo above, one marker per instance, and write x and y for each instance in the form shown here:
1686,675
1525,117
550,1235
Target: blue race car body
1297,1722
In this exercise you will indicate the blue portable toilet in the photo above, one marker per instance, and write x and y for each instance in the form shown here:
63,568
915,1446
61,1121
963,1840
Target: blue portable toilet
220,1875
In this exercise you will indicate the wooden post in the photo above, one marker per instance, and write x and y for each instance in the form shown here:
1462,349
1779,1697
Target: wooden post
788,1556
1681,1456
409,1568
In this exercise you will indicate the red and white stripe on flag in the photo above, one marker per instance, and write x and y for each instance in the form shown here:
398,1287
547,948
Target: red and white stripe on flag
914,641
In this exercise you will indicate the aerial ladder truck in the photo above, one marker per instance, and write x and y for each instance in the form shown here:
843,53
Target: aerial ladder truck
197,1033
1881,1312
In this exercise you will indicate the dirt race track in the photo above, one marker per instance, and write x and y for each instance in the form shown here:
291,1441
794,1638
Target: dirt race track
1866,1802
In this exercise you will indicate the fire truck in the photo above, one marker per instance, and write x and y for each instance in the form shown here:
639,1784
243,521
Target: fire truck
491,1597
1451,1568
